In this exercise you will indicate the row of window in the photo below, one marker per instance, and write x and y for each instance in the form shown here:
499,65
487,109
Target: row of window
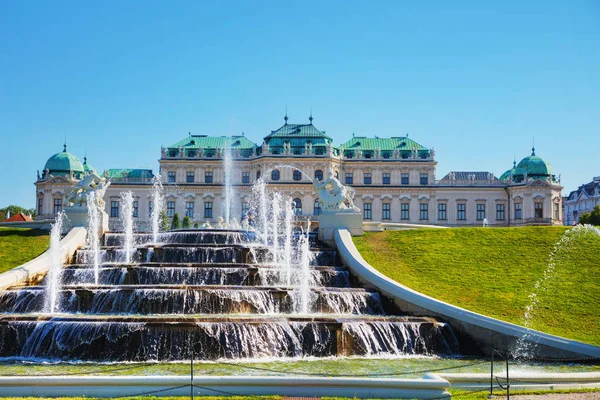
297,176
461,211
386,180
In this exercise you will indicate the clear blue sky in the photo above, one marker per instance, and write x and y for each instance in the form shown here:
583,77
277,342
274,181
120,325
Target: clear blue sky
475,80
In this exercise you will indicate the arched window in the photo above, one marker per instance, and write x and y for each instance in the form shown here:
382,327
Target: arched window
257,175
317,207
275,175
297,206
319,175
297,175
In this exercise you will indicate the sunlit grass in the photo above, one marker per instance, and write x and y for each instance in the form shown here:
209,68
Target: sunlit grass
19,245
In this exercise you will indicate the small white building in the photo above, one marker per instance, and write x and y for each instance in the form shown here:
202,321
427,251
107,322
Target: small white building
394,180
584,199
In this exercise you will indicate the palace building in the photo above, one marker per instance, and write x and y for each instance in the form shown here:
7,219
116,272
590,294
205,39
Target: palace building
394,180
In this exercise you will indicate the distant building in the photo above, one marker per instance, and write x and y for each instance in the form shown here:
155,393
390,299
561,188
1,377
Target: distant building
20,217
394,179
584,199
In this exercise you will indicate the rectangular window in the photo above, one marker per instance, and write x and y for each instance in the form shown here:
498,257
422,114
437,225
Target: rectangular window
386,178
500,212
480,212
386,211
518,211
170,209
171,176
405,180
424,179
190,177
367,180
114,208
136,208
208,209
189,209
58,206
461,212
556,211
349,179
208,177
404,211
424,211
539,210
245,177
367,211
40,206
150,208
442,211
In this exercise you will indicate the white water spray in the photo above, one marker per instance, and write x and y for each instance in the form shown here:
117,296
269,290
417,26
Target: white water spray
94,233
288,216
275,225
53,277
227,171
127,198
523,347
305,275
158,204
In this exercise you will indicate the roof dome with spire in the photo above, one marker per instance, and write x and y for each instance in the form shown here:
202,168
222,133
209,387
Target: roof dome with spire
64,163
530,167
87,168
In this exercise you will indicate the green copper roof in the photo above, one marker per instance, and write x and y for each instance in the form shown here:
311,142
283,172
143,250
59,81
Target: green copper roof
531,166
365,143
213,142
64,163
129,173
304,131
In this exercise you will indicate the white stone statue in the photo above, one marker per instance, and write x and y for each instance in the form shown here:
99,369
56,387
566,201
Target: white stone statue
207,225
93,182
220,224
332,194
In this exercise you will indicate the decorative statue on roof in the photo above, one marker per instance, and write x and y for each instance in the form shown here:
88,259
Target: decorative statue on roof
333,195
77,195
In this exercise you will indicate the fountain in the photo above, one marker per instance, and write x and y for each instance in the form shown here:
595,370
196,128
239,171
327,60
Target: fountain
157,206
276,292
228,188
53,282
127,198
524,348
93,238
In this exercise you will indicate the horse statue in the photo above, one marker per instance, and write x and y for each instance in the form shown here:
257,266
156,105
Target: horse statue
334,196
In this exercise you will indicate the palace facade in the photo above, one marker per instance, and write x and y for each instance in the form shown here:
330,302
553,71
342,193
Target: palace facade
394,179
584,199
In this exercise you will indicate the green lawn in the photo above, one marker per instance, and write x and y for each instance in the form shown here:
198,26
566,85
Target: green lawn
19,245
492,271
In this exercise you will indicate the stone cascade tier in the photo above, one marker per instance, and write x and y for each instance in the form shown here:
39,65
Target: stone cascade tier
218,294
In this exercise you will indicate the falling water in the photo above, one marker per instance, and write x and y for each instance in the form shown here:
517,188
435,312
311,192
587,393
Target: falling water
523,347
94,233
227,170
305,274
127,198
275,225
288,215
157,207
53,279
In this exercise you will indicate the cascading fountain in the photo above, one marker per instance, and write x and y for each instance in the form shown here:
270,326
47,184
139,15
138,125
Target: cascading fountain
228,187
93,238
127,198
53,281
283,295
157,206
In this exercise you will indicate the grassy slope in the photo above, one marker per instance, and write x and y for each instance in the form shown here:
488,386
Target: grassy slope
493,271
19,245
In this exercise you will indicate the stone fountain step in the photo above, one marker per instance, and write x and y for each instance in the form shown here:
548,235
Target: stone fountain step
202,265
202,287
233,274
115,338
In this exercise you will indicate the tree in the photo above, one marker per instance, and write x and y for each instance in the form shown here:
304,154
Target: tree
592,218
164,222
14,210
176,224
187,223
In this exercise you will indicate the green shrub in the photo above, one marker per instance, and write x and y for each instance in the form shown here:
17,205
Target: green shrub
176,224
187,223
